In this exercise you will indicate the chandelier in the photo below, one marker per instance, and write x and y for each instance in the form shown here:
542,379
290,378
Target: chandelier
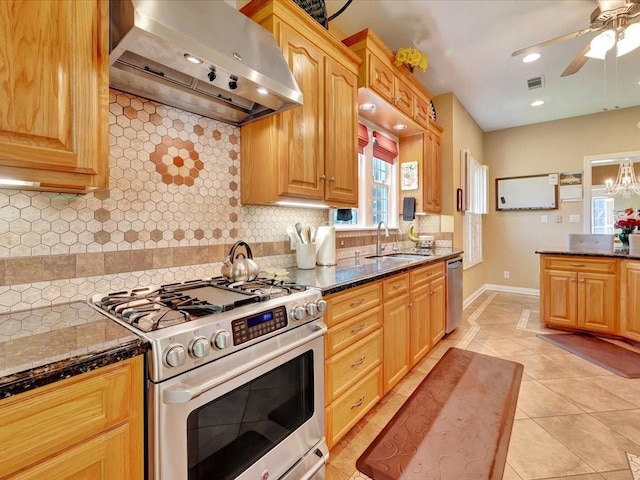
626,183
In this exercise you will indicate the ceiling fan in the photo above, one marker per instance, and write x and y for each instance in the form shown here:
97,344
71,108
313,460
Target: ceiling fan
615,19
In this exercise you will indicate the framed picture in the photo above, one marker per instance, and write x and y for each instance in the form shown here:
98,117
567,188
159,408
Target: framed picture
409,176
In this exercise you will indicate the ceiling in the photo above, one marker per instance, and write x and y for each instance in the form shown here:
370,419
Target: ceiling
469,45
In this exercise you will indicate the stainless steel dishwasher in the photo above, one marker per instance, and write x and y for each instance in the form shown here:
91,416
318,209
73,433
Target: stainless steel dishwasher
454,294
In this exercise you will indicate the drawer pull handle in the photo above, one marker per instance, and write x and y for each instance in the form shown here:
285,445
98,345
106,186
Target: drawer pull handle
358,403
397,286
357,302
577,265
357,329
357,363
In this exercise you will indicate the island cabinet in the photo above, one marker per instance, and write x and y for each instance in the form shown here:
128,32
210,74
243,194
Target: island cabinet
630,300
427,304
580,292
425,148
89,426
353,357
54,112
308,152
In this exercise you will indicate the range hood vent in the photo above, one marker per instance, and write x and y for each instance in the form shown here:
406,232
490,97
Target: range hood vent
236,74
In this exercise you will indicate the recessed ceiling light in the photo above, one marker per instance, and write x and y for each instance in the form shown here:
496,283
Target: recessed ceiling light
192,59
537,103
532,57
399,126
262,90
367,106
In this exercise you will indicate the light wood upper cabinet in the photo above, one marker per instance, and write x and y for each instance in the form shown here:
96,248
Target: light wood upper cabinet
426,149
87,426
399,97
309,152
54,84
580,292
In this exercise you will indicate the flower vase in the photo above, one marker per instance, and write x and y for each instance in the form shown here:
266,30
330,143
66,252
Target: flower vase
623,236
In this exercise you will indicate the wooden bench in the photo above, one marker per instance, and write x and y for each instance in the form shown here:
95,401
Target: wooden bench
455,426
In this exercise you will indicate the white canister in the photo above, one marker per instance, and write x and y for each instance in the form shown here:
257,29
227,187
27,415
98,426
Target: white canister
326,242
306,255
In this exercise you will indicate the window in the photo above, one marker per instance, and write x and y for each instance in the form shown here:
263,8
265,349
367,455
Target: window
475,177
602,214
378,189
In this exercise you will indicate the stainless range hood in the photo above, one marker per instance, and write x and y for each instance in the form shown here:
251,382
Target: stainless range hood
202,56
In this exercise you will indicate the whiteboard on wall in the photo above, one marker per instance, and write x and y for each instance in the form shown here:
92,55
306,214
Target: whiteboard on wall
534,192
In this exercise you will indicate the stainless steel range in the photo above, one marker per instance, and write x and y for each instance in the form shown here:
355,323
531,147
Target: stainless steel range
236,377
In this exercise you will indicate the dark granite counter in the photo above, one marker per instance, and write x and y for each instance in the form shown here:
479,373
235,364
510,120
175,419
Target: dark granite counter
352,272
41,346
622,254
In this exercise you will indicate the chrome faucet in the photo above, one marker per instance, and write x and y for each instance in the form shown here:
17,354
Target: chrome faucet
379,247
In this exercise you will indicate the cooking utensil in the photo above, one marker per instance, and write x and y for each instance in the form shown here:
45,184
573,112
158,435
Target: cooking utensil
293,235
240,266
306,234
298,226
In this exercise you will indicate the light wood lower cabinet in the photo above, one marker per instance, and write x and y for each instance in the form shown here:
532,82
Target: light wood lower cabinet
580,293
630,300
377,332
89,426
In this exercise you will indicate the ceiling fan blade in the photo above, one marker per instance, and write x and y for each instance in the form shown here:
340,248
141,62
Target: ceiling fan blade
554,40
577,63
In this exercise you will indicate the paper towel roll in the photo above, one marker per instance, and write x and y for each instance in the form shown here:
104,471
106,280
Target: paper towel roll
326,245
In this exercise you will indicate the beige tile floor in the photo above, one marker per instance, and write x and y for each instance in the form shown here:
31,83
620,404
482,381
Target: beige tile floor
574,421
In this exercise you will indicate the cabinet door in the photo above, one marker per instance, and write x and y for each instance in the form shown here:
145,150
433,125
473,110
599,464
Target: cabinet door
421,111
395,344
432,173
54,84
403,97
630,321
419,330
301,131
381,79
560,299
597,301
341,164
437,312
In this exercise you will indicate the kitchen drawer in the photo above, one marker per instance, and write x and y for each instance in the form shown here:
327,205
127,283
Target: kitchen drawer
345,412
423,275
49,419
581,264
394,286
350,365
352,302
348,332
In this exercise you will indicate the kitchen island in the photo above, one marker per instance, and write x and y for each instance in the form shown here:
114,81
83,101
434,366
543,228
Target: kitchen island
595,291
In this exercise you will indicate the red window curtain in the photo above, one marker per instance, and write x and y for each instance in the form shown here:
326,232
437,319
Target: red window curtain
384,148
363,137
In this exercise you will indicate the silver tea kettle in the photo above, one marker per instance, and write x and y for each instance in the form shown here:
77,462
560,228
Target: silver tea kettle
239,267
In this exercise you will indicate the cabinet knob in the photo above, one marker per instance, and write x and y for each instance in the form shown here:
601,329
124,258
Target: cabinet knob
322,177
332,179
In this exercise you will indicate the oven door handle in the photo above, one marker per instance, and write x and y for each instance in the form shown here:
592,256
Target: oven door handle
182,393
315,469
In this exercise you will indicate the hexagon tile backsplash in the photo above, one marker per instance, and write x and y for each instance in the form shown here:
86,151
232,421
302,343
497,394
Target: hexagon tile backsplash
172,206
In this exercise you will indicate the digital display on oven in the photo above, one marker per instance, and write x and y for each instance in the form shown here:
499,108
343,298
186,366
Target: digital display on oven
258,319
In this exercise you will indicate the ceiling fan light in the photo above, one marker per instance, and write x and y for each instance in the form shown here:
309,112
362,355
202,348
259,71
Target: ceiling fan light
630,40
603,43
596,54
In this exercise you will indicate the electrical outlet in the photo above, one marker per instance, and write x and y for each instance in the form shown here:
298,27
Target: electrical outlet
558,218
506,274
574,218
544,219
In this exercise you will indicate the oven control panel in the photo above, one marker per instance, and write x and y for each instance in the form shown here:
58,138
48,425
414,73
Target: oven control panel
248,328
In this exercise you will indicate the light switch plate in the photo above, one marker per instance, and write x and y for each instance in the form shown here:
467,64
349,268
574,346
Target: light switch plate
558,218
544,219
574,218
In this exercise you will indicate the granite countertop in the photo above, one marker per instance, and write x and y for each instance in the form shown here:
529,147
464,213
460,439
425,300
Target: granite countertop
617,253
41,346
352,272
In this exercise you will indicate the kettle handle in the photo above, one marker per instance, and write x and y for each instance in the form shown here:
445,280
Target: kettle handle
246,246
